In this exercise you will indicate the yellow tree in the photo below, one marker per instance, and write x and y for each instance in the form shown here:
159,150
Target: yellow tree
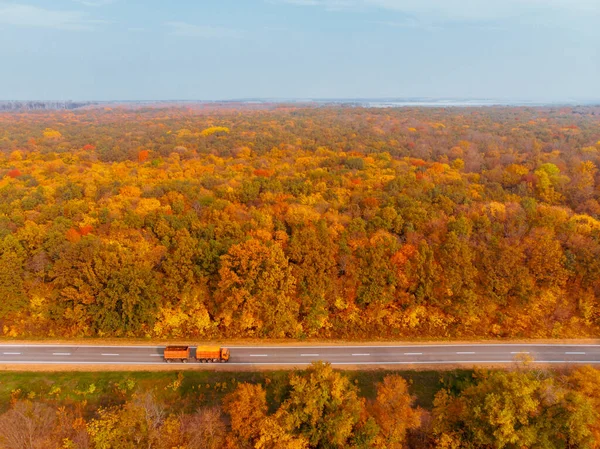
393,411
274,436
247,409
586,380
324,408
513,410
256,291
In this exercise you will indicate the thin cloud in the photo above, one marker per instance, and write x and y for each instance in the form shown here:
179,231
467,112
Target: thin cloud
332,5
202,31
95,3
481,9
299,2
35,17
458,10
408,23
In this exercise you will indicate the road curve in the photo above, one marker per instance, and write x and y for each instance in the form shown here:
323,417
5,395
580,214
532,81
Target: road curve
442,354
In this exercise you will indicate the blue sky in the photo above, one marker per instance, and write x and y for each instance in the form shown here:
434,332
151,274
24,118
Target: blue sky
223,49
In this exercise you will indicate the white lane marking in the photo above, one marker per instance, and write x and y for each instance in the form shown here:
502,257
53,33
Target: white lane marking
413,353
309,355
575,353
492,345
258,355
109,354
61,353
462,353
11,353
361,355
155,355
520,352
36,362
66,345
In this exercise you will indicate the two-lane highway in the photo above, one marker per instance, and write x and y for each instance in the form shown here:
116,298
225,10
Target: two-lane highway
440,354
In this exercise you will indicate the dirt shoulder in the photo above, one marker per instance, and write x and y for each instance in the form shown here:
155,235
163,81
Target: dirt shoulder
275,342
257,368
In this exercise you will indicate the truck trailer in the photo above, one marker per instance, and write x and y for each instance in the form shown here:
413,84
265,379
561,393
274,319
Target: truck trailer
177,354
204,354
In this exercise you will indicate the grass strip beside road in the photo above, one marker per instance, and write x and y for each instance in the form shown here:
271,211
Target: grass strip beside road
188,390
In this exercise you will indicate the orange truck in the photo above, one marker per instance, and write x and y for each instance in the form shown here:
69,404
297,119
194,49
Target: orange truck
204,354
208,354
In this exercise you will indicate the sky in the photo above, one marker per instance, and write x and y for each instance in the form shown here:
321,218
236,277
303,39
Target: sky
531,50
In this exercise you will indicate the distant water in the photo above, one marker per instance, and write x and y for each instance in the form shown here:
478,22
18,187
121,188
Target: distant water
427,102
440,104
434,102
351,102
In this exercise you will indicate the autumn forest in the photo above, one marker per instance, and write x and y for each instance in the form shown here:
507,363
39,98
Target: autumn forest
300,222
317,408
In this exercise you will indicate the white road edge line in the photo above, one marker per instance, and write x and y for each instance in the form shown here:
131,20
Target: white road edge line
361,355
495,345
21,362
309,355
486,345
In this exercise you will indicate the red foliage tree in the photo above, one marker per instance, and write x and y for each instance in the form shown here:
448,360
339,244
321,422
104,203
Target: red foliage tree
72,235
85,230
143,155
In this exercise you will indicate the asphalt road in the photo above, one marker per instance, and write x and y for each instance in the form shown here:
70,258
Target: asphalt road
302,355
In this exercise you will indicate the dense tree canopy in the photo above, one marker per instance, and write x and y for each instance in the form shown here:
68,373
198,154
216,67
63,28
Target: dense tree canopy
515,410
300,222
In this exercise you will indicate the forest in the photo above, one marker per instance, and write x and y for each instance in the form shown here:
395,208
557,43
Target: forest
300,222
316,408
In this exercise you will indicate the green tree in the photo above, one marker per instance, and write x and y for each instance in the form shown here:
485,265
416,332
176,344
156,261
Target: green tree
106,287
459,275
377,273
12,290
312,256
138,423
323,407
514,410
179,267
505,277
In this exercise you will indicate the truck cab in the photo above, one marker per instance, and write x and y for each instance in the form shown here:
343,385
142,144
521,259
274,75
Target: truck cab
224,354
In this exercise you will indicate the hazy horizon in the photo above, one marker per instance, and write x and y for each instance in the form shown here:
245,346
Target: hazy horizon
341,100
